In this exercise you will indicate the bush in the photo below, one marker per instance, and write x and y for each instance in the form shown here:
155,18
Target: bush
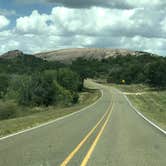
44,89
75,98
7,110
156,73
69,79
4,83
62,95
38,90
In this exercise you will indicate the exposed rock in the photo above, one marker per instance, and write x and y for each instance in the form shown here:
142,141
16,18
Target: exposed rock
68,55
12,54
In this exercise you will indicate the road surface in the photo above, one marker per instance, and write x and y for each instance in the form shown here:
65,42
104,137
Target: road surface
109,133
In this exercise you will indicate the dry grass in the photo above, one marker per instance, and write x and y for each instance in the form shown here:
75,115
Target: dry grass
40,115
151,102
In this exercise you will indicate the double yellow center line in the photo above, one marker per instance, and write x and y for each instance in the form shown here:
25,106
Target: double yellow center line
85,160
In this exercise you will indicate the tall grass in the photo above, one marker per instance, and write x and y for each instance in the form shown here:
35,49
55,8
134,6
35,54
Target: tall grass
7,110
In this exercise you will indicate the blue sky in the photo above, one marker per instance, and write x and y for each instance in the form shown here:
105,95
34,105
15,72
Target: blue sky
22,8
41,25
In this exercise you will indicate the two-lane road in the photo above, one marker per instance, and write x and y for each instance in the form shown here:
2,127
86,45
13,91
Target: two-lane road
109,133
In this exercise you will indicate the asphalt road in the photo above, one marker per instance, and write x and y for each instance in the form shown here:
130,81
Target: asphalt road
108,133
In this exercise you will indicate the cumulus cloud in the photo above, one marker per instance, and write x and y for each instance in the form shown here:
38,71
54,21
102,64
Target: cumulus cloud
134,28
96,21
121,4
3,21
35,23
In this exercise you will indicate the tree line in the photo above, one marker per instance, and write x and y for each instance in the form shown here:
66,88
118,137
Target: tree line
31,81
145,69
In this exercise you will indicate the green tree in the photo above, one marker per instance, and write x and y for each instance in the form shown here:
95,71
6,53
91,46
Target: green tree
68,79
156,73
4,83
84,69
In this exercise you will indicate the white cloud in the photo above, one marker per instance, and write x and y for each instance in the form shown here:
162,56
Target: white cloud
137,28
89,21
35,23
163,24
95,21
3,21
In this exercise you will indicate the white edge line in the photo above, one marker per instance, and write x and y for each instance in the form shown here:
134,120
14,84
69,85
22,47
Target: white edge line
50,122
140,114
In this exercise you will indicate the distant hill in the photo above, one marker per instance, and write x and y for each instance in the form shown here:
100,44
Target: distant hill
12,54
68,55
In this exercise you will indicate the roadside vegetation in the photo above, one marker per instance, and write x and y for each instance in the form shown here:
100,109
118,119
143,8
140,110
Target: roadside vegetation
143,69
33,91
30,86
37,115
150,101
143,76
27,82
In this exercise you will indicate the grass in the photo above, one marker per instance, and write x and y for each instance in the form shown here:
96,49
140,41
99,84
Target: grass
133,88
151,102
40,115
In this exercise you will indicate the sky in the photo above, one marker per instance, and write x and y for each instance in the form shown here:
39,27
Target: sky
42,25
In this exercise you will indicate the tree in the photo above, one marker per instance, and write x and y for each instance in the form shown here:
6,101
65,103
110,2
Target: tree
38,90
68,79
83,68
4,83
43,89
156,73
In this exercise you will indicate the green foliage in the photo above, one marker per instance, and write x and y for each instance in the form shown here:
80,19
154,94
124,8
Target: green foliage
133,69
43,89
85,68
27,64
16,83
63,96
156,73
68,79
7,110
38,90
4,83
75,98
32,81
50,74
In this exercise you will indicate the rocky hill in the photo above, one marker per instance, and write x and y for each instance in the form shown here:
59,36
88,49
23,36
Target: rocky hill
12,54
68,55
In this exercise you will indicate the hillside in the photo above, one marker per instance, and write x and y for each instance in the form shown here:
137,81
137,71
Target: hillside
12,54
68,55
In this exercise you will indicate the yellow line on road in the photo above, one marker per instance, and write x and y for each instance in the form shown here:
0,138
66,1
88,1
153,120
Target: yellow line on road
71,155
91,149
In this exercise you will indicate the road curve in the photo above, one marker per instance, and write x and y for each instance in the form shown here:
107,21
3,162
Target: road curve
108,133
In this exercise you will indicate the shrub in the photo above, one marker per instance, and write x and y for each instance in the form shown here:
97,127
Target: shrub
7,110
37,91
4,83
75,98
62,95
69,79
